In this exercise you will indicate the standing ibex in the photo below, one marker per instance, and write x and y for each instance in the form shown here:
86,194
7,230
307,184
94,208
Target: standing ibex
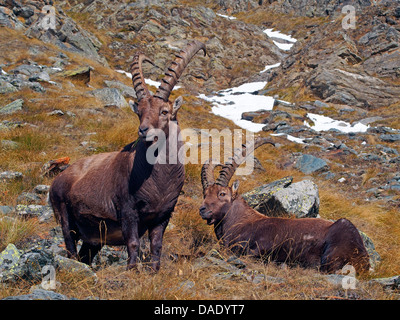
309,242
114,198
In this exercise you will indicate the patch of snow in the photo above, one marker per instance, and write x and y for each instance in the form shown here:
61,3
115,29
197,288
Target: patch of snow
245,88
230,104
226,17
148,81
323,123
271,67
283,46
289,137
3,72
279,35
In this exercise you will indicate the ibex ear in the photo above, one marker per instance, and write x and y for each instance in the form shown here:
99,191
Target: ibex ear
235,187
176,105
134,106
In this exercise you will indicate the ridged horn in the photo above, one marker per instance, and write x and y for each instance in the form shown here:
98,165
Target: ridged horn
139,85
177,67
207,174
229,168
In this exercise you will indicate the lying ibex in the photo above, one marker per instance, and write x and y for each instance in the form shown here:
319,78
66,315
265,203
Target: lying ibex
309,242
114,198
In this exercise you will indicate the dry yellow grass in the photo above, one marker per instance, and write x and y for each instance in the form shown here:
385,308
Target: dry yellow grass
188,236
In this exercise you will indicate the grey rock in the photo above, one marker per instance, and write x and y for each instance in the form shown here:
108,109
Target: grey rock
259,197
68,35
9,20
309,164
41,189
71,265
9,144
41,76
300,199
6,209
374,256
80,74
11,175
40,294
127,91
110,97
57,112
27,266
12,107
28,198
27,69
6,87
390,137
43,213
388,283
110,256
9,258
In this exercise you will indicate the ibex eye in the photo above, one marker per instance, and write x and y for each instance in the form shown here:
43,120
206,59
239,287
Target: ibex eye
222,194
164,112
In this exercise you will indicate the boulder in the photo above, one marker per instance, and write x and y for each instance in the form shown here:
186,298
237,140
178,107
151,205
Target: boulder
6,209
9,258
72,265
110,97
39,294
9,144
309,164
282,198
11,175
374,256
9,20
43,213
259,197
127,91
28,198
390,137
12,107
300,199
67,35
80,74
6,87
29,265
388,283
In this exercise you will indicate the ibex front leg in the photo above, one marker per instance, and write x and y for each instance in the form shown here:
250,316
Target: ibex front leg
130,231
156,236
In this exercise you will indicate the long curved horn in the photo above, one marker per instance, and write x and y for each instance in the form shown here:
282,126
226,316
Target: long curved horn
139,85
229,168
177,67
207,174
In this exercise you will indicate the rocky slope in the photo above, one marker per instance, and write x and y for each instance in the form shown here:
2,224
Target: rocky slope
61,96
352,67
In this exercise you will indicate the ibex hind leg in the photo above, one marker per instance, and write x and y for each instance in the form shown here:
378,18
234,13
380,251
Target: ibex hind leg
343,245
69,229
88,251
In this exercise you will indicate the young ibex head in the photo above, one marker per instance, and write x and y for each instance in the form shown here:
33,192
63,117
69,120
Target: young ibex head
155,112
218,196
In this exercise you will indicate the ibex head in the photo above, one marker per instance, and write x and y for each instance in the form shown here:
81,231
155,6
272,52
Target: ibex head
218,196
155,112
